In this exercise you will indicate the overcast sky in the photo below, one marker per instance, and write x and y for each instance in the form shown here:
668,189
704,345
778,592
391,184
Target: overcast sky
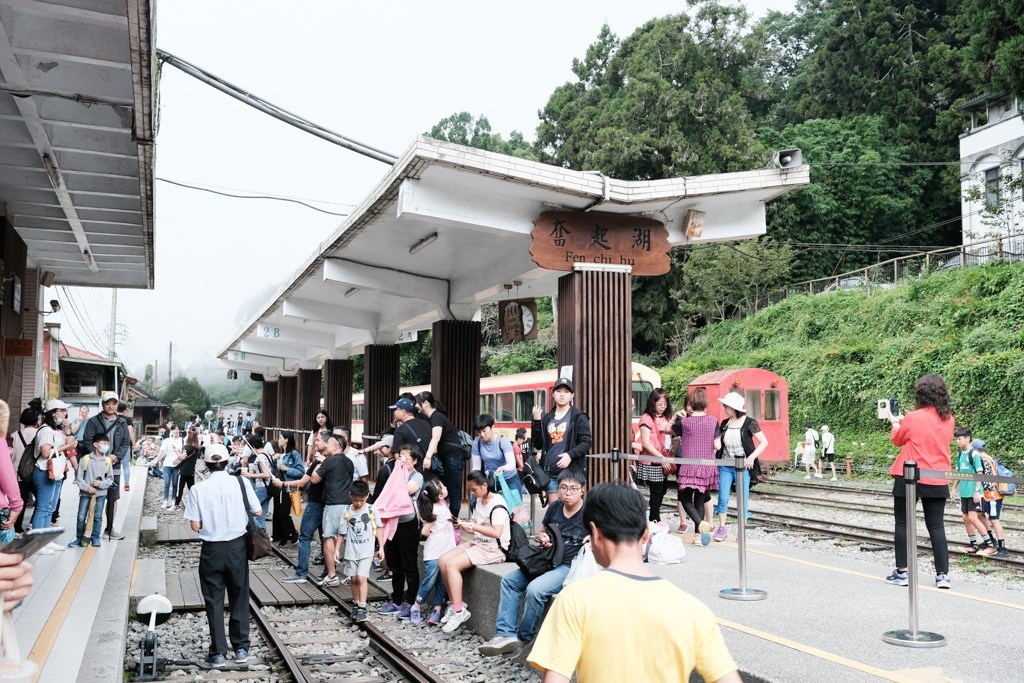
381,73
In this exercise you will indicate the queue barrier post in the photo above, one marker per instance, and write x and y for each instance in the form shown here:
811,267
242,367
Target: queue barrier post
912,636
742,593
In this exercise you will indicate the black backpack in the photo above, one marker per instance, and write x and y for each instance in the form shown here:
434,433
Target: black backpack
534,560
534,478
27,464
517,537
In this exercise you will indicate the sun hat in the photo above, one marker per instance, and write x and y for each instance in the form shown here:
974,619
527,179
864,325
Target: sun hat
56,404
734,401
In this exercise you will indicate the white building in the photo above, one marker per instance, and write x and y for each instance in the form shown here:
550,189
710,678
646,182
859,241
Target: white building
991,156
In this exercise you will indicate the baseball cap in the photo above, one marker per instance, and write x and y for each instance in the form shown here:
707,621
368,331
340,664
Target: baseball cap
215,452
978,445
564,382
108,396
56,404
404,404
387,440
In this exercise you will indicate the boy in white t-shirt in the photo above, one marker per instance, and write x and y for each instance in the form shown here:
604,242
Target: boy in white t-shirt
359,527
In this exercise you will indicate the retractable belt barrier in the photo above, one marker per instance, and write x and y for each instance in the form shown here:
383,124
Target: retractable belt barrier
912,636
742,592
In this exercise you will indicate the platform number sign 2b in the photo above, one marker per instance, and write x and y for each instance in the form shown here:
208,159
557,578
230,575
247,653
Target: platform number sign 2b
268,332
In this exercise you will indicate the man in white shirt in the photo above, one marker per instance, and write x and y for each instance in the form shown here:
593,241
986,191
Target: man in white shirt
217,510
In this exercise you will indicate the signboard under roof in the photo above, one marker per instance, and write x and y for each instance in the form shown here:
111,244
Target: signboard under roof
562,239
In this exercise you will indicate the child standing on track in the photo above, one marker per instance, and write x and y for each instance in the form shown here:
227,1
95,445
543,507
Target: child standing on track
359,527
969,462
992,501
440,534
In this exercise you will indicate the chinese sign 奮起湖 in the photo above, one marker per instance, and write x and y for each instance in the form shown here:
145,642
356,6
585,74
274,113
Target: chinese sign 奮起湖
562,239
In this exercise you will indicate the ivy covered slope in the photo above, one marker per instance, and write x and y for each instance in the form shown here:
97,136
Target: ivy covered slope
841,351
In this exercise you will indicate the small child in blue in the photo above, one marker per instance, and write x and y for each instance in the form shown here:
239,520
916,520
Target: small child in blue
432,505
93,477
359,527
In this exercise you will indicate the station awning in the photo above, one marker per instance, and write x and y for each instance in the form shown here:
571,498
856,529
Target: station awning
448,228
77,124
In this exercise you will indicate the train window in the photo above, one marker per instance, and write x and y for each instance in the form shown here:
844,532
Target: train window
641,390
524,406
542,400
487,404
357,412
754,404
772,405
504,405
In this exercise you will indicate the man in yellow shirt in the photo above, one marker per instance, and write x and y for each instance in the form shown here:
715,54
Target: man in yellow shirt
663,634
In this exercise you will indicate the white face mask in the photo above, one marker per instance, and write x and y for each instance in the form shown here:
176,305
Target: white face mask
104,448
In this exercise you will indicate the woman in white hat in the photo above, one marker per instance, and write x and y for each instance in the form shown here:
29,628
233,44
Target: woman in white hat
741,438
52,447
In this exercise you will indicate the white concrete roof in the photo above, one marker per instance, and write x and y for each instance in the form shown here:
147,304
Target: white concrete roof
362,285
77,123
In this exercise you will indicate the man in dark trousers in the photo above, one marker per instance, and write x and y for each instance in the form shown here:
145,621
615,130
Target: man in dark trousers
116,429
218,512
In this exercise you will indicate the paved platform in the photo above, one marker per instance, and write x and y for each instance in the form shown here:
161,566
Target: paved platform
79,603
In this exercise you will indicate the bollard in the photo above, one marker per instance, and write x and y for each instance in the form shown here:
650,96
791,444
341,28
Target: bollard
849,465
912,637
616,458
742,592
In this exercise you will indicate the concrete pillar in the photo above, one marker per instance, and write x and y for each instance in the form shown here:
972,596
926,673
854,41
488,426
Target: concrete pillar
338,390
307,397
286,389
381,383
595,327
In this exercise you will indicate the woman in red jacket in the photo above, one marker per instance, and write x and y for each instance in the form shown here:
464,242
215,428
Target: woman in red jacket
925,435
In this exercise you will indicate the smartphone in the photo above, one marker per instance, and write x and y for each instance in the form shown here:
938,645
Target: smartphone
31,542
894,407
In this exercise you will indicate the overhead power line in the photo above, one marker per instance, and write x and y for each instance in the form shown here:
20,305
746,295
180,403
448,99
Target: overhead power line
249,196
277,112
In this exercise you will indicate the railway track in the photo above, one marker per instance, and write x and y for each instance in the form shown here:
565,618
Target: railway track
377,647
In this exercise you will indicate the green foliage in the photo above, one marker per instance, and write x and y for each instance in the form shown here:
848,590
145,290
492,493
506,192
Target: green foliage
463,129
994,31
181,412
230,391
842,351
187,391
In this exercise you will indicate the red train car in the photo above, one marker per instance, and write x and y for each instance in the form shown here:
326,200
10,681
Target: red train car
767,397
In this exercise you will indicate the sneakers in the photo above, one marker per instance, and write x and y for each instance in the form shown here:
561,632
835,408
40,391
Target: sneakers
807,477
319,559
942,581
681,530
456,620
435,617
127,487
389,607
241,655
45,550
705,533
414,615
294,578
166,505
216,660
898,578
329,581
78,544
833,479
817,475
347,581
499,645
404,611
360,614
115,536
721,533
96,543
1002,552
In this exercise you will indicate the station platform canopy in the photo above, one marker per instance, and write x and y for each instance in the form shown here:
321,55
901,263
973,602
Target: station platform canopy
449,228
77,123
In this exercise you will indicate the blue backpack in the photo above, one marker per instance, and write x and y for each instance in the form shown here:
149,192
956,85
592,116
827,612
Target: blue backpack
1005,488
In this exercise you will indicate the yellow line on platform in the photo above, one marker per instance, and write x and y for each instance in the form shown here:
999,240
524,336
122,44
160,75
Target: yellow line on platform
874,577
821,654
48,636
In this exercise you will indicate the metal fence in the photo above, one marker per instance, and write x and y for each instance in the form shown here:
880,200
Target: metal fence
888,273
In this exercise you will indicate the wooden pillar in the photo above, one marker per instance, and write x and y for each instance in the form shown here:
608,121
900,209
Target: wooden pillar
307,397
381,383
455,369
268,414
595,328
286,388
338,390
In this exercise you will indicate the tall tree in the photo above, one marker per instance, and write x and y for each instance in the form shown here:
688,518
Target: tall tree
187,391
465,129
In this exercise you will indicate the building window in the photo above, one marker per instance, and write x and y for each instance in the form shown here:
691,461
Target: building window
772,405
992,187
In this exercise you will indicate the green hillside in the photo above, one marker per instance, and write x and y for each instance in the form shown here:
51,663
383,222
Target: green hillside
842,351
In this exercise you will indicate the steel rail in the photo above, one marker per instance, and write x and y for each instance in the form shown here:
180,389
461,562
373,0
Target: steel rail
295,668
394,653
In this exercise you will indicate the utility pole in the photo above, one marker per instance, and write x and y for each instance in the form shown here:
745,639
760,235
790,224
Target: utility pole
156,373
112,337
170,353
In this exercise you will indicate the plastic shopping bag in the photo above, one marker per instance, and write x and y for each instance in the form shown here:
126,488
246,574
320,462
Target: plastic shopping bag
583,565
514,500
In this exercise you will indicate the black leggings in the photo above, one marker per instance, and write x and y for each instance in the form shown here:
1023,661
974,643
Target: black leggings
657,489
183,481
401,554
693,503
933,511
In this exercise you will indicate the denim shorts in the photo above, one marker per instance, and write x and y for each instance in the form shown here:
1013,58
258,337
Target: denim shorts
553,485
332,519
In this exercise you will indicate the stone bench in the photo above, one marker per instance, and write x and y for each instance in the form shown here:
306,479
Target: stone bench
150,577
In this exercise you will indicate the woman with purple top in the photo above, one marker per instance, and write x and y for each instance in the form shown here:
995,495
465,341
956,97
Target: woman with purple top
698,440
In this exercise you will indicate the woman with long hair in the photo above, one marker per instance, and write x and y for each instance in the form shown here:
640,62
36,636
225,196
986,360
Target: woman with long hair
289,468
51,444
656,440
741,438
259,470
187,467
924,434
321,421
698,440
444,444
